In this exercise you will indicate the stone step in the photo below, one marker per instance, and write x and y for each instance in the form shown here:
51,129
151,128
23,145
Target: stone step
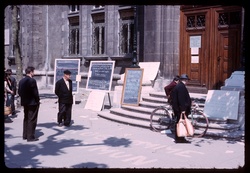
124,120
144,110
194,96
225,134
146,124
143,113
140,115
150,104
155,99
130,114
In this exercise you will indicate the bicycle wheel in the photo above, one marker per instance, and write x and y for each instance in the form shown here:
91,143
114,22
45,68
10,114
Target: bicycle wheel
160,119
200,124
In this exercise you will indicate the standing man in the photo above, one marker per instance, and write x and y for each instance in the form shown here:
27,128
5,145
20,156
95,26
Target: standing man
30,100
63,90
11,96
181,103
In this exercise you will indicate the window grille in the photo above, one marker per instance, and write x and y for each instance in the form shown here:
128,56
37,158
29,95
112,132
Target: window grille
196,22
126,36
229,19
74,38
98,38
74,8
98,34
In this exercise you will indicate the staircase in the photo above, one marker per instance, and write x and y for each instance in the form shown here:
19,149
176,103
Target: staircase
140,115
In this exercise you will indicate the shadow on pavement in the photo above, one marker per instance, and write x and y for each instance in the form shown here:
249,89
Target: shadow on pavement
90,165
24,155
46,96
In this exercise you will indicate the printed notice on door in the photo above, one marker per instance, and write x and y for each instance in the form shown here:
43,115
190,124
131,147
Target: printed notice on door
195,41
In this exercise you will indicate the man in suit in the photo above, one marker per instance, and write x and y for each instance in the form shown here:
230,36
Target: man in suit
63,90
181,103
30,100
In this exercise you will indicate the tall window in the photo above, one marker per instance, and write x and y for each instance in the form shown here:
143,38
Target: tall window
74,36
98,34
73,8
126,34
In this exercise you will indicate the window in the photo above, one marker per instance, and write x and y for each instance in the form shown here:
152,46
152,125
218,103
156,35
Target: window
98,34
196,22
73,8
126,34
98,6
74,36
229,19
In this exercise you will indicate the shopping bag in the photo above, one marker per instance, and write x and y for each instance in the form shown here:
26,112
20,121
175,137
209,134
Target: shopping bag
189,126
7,110
181,128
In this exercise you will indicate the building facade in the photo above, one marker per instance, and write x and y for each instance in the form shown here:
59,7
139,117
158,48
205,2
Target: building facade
157,33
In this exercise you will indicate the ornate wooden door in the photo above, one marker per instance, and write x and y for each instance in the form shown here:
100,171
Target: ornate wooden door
209,44
227,43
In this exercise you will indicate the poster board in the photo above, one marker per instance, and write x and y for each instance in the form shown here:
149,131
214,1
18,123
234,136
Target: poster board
100,75
131,90
95,100
150,70
73,65
222,104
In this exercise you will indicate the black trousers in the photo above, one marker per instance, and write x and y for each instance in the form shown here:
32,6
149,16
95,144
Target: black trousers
30,121
64,113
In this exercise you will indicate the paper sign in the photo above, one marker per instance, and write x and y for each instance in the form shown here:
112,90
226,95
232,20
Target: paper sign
194,59
195,41
78,78
194,50
95,100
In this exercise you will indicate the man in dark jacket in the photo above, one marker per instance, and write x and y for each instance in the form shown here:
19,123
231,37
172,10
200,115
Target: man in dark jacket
169,88
181,102
30,100
63,90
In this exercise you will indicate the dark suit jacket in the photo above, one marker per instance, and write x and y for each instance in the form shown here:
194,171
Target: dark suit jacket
181,99
28,91
64,94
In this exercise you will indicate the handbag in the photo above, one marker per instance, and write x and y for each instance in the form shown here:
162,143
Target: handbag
189,126
7,110
181,129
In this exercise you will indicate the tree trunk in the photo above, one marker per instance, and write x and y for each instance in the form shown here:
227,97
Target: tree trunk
16,47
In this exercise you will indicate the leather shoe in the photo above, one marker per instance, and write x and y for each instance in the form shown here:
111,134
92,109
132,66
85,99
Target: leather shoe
60,124
182,141
32,140
24,138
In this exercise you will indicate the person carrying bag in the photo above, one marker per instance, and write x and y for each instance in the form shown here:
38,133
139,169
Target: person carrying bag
181,104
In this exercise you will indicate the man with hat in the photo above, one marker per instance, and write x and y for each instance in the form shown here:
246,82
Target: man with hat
63,90
181,103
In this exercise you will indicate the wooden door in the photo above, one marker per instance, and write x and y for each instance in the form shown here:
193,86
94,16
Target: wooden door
219,29
228,47
193,46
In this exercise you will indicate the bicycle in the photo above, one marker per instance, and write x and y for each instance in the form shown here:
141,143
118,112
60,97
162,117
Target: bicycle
162,118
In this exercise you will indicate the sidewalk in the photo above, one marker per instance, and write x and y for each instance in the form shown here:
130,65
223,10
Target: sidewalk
94,142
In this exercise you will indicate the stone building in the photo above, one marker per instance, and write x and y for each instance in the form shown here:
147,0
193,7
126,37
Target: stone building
158,33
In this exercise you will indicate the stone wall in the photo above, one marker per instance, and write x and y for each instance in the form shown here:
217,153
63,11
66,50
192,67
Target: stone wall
45,37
